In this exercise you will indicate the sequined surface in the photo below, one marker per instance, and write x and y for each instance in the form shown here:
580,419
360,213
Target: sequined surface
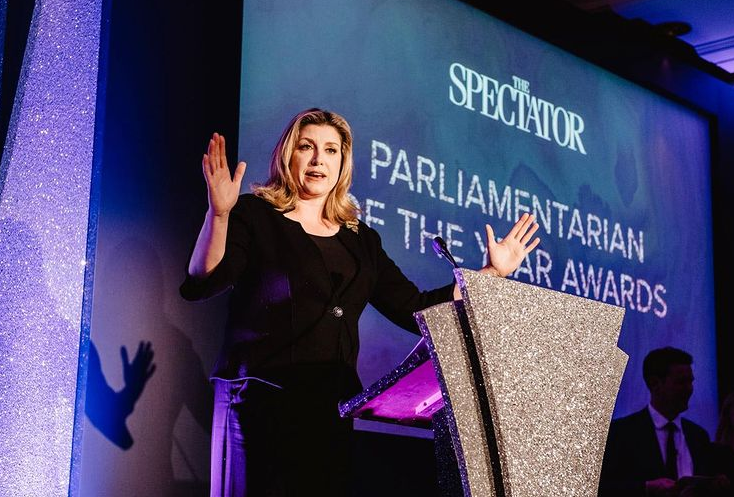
43,236
440,325
552,370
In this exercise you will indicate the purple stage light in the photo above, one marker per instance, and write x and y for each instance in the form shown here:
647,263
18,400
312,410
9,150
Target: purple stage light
47,168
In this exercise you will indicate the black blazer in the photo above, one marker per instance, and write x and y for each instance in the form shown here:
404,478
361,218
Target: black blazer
633,456
283,305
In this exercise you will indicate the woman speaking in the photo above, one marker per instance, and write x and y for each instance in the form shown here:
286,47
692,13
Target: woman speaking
301,268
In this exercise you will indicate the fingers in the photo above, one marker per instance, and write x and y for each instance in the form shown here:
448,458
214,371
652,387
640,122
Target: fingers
490,235
239,173
145,350
526,238
522,232
149,366
222,151
209,160
215,158
206,166
532,246
213,152
216,150
521,226
125,358
526,228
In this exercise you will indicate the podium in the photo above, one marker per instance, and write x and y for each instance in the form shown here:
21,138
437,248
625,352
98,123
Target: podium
520,380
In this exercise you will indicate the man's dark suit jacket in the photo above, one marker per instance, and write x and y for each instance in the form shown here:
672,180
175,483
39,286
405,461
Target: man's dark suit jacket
633,456
283,307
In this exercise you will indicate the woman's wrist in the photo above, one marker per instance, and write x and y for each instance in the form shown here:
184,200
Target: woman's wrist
217,217
491,270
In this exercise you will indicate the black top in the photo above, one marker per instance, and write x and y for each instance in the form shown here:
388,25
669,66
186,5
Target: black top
284,309
339,262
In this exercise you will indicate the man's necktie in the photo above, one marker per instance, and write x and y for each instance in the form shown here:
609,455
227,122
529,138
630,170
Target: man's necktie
671,454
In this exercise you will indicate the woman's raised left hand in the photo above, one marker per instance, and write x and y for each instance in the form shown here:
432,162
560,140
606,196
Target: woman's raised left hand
505,256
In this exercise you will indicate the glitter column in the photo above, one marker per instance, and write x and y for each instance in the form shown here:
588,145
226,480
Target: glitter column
44,210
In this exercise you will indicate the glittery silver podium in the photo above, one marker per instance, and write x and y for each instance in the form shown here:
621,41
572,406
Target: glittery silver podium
520,393
529,377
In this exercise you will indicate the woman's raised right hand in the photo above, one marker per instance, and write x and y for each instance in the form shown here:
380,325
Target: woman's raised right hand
223,189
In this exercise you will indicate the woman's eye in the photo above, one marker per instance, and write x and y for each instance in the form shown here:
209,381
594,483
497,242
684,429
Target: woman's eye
331,150
304,146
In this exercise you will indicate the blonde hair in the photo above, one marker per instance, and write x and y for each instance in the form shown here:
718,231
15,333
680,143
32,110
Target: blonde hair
725,431
281,190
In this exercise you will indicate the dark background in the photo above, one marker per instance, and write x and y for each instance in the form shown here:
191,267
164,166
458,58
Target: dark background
15,21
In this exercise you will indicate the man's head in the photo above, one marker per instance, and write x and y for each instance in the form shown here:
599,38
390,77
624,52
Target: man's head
669,377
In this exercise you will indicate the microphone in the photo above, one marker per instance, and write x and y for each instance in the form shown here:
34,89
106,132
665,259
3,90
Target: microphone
439,246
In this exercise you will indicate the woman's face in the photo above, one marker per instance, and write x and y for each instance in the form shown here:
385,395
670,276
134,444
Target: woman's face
316,161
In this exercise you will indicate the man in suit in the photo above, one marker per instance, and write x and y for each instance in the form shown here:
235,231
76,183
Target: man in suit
649,451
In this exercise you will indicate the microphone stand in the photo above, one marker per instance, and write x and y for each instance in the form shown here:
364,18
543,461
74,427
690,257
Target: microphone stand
442,250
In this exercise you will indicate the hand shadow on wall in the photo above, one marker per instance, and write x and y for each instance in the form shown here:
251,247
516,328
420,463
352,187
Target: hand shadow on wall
107,409
165,450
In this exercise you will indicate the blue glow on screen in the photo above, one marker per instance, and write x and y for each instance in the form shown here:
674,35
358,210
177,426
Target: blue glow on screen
461,120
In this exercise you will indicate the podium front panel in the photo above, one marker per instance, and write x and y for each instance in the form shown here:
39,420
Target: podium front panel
549,373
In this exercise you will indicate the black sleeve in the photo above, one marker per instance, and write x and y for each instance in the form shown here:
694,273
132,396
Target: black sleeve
396,297
239,234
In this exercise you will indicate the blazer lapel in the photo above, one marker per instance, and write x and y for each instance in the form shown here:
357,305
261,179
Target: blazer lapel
350,239
697,447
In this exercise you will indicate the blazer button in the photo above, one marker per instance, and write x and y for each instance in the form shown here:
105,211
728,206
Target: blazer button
337,311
